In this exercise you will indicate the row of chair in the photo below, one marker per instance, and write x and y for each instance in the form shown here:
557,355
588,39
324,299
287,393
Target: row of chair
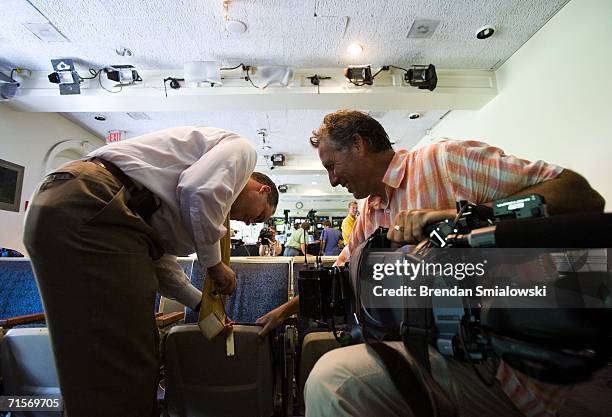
258,379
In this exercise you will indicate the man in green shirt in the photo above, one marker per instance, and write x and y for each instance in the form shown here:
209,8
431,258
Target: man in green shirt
296,245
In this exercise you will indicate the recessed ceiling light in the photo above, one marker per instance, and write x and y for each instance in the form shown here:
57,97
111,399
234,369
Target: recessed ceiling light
314,183
355,49
485,32
100,118
413,116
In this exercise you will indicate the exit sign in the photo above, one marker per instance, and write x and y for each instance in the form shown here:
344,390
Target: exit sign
115,136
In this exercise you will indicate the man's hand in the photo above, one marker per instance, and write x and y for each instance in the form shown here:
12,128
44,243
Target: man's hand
228,326
409,224
276,317
271,320
223,277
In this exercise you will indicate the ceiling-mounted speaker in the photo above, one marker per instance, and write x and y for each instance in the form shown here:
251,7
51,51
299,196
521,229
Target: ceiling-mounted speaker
203,72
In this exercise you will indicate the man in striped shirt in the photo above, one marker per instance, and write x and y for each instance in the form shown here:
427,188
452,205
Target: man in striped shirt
413,189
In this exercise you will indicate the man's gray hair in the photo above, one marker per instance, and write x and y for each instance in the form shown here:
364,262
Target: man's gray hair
340,127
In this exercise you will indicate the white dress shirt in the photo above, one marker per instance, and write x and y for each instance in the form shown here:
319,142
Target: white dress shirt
197,173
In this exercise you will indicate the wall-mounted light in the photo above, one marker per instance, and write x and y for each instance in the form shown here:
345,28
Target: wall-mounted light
122,74
66,76
359,75
422,76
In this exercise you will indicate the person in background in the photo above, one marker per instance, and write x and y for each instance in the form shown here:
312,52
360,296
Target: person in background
330,240
349,222
268,245
296,245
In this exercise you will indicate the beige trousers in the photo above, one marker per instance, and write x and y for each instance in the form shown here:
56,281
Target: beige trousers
93,261
352,381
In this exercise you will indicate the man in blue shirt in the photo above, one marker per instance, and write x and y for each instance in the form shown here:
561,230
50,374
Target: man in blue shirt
330,239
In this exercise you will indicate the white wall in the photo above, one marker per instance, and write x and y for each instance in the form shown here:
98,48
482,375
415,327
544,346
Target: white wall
555,96
25,139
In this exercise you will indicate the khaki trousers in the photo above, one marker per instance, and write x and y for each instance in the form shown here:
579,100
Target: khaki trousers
352,381
93,261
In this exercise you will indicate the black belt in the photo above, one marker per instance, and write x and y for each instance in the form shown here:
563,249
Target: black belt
142,201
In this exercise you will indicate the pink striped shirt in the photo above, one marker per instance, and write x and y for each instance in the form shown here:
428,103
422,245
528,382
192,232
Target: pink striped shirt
435,177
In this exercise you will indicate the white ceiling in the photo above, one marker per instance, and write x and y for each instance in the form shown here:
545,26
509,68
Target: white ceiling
301,33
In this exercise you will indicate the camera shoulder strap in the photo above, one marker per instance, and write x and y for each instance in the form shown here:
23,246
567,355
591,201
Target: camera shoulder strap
414,383
410,374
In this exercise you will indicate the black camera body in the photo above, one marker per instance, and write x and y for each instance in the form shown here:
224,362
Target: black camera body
324,292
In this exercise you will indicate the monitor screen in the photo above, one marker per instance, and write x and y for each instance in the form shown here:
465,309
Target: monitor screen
11,181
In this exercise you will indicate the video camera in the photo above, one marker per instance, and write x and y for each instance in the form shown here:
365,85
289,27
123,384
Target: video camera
559,345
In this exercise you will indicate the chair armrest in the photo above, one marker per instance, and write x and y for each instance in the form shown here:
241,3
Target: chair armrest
169,318
28,318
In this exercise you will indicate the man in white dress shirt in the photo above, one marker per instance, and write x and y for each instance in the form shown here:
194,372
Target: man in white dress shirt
103,235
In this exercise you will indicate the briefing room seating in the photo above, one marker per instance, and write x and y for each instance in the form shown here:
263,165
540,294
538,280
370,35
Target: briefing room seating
202,381
262,283
20,302
27,366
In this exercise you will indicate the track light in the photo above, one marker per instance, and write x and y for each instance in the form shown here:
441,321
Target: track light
203,72
359,75
422,77
278,159
66,76
122,74
8,87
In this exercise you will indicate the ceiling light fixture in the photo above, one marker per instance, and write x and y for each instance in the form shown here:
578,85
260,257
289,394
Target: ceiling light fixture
100,118
422,76
8,87
359,75
122,74
278,159
485,32
66,76
355,49
273,75
203,72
